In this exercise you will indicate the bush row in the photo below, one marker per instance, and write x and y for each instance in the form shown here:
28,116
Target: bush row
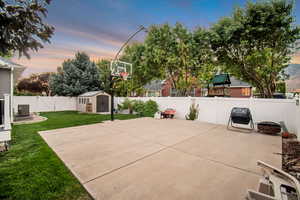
144,109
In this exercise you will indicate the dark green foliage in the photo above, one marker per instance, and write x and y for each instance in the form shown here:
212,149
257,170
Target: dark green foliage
257,42
21,26
145,109
194,111
281,87
139,107
150,109
104,75
76,76
31,170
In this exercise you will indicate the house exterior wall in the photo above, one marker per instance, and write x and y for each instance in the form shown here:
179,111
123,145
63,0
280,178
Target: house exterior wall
237,92
5,82
167,86
240,92
165,92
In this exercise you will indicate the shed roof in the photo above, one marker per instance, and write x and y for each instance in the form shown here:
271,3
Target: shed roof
92,93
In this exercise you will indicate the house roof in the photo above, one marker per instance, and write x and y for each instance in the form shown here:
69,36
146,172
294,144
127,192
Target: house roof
92,93
154,85
238,83
221,79
8,64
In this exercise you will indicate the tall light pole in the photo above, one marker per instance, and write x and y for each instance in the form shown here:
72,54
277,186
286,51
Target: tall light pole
111,78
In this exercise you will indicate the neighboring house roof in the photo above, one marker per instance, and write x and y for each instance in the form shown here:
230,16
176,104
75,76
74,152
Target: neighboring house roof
154,85
221,79
92,93
8,64
238,83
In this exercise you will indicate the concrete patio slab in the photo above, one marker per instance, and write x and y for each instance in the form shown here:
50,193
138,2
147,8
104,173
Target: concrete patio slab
173,175
241,150
163,159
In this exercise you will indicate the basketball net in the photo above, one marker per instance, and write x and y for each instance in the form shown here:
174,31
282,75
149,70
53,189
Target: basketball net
124,75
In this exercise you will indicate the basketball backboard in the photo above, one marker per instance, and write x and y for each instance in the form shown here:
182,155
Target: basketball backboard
121,69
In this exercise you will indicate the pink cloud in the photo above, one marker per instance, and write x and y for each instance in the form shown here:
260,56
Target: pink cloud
52,56
296,58
102,38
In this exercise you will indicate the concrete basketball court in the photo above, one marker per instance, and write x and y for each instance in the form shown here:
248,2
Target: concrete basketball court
147,158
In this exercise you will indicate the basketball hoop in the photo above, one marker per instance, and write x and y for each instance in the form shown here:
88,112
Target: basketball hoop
124,75
121,69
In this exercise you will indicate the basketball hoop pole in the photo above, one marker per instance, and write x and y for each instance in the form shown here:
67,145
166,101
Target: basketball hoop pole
139,30
111,78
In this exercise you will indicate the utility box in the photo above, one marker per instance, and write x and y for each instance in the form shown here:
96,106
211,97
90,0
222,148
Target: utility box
23,110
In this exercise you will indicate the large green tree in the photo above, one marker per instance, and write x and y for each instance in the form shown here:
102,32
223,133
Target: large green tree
168,52
22,27
255,44
180,55
75,77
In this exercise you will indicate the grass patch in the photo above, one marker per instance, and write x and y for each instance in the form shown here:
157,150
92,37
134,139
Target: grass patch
31,170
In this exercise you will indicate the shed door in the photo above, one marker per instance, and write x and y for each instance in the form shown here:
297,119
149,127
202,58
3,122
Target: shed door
102,103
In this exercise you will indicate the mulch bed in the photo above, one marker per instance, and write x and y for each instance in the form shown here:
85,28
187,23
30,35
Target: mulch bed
291,155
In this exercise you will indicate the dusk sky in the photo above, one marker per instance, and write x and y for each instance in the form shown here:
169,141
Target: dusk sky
100,27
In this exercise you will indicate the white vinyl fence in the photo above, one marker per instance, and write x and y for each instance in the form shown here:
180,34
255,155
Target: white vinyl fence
213,110
217,110
44,104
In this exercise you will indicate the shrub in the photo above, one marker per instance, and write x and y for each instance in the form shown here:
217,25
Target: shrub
144,109
127,104
194,111
139,107
150,109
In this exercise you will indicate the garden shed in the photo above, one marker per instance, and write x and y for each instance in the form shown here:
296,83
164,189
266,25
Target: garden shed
94,102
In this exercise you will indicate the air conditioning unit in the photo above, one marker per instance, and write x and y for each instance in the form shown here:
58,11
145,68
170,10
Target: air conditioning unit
23,110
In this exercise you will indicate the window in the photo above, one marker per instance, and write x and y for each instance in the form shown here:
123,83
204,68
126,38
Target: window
246,92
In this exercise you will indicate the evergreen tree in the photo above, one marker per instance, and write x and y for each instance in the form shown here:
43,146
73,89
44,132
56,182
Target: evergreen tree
76,76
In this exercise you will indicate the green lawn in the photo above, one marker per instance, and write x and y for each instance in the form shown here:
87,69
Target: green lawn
31,170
